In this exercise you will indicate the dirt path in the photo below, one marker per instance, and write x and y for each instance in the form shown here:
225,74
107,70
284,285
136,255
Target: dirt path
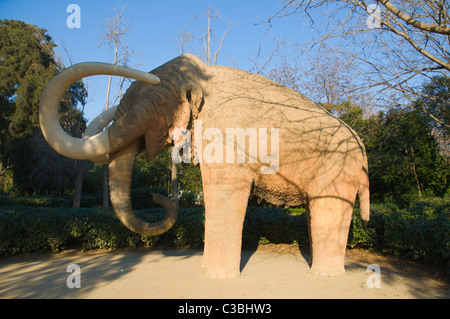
266,273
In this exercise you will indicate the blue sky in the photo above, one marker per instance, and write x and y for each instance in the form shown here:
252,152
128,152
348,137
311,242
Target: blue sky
156,26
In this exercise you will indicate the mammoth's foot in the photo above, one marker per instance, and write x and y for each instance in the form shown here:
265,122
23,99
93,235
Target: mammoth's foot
222,275
219,270
315,271
327,266
214,275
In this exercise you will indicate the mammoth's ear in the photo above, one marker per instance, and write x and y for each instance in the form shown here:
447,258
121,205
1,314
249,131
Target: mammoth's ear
192,95
191,100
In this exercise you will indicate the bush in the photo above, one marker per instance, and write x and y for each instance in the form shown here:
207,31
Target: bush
37,201
420,232
189,230
274,225
40,229
141,198
188,199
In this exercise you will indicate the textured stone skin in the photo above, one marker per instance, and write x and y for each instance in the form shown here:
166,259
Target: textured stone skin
322,161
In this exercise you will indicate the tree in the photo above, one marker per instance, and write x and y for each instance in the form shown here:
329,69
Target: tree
403,153
211,46
27,64
210,42
398,44
115,31
328,79
434,103
154,174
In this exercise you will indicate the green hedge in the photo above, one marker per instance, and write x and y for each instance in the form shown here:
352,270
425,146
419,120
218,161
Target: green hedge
421,232
37,201
39,229
141,198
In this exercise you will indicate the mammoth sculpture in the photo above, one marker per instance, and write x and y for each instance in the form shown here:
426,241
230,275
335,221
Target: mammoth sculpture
320,162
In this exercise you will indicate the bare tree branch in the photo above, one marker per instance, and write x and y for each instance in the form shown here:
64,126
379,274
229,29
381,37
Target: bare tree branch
221,42
115,32
209,42
404,34
397,45
413,22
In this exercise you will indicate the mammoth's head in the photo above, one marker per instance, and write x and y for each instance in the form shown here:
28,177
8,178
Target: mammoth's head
156,111
151,109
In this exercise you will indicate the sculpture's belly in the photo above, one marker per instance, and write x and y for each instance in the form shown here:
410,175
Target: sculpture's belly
279,190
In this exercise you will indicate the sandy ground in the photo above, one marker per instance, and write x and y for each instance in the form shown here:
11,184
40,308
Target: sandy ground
266,273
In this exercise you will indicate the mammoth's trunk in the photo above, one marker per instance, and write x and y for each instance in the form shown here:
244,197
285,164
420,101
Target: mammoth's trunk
120,175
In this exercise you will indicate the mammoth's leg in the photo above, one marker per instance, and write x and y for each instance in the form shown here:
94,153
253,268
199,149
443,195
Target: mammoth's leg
308,220
226,190
329,222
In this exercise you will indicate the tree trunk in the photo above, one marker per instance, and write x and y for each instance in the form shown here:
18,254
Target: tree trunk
78,185
175,184
105,189
413,170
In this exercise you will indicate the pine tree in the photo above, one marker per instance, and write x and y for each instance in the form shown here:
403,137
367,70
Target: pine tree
27,64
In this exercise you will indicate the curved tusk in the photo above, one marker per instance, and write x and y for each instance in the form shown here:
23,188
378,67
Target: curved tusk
96,126
100,122
90,147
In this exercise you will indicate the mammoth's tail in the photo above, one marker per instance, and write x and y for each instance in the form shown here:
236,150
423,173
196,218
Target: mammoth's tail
364,193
